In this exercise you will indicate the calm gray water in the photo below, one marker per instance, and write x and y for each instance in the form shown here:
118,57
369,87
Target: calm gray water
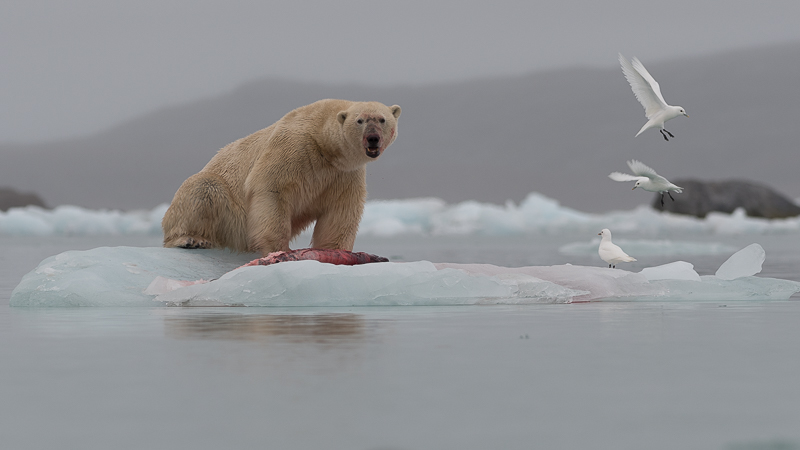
605,375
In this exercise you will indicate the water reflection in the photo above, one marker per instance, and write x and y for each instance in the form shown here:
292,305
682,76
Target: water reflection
316,328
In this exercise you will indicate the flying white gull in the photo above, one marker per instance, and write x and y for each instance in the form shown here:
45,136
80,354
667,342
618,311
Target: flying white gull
610,252
647,179
647,91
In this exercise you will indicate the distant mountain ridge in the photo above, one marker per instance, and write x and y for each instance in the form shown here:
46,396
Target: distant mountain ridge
559,133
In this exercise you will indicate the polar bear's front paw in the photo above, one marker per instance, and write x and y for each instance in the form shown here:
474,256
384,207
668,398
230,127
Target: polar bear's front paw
192,242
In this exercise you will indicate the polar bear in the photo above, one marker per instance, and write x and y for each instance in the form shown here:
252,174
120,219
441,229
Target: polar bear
259,192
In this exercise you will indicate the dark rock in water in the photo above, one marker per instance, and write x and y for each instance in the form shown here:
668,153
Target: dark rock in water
700,198
9,198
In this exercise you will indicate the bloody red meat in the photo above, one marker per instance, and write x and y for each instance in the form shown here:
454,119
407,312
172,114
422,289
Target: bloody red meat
338,257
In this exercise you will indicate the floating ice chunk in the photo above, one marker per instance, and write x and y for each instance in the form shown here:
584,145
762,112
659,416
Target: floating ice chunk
311,283
116,276
712,288
526,286
744,263
128,276
678,270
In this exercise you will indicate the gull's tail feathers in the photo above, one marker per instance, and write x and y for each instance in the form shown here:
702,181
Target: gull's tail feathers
649,124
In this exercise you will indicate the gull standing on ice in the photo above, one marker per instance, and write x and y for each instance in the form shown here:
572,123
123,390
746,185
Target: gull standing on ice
610,252
647,91
647,179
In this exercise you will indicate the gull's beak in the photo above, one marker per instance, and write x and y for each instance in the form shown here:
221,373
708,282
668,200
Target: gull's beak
600,233
634,187
687,114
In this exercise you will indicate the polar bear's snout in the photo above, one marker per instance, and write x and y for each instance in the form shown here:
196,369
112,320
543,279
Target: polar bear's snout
373,141
372,144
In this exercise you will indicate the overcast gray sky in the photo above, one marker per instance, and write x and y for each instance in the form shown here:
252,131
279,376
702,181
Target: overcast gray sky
73,68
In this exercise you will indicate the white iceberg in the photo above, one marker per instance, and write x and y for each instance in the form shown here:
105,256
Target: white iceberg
744,263
129,276
678,270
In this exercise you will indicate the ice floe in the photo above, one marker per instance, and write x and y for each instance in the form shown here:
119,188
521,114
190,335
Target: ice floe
133,276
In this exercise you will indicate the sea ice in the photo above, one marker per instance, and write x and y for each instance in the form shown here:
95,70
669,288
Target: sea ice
129,276
428,216
678,270
117,276
67,220
311,283
592,283
744,263
393,217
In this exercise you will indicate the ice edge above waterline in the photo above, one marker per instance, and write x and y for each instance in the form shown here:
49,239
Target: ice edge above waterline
134,276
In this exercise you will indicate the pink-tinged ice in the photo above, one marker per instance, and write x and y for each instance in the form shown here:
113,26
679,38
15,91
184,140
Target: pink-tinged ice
594,282
162,285
330,256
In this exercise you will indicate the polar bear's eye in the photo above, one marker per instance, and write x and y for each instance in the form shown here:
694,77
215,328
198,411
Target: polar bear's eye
360,121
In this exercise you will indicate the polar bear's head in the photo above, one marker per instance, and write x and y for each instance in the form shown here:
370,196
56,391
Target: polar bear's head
369,127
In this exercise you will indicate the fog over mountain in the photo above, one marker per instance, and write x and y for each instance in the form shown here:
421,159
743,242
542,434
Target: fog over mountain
559,133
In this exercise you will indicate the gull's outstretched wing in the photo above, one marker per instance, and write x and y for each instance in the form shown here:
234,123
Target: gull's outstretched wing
643,85
640,169
650,80
619,176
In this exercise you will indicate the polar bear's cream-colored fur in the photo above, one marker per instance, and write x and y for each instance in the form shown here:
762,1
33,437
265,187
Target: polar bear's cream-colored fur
259,192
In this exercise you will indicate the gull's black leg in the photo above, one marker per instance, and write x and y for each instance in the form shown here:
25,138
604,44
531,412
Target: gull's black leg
670,134
665,136
609,266
662,199
670,195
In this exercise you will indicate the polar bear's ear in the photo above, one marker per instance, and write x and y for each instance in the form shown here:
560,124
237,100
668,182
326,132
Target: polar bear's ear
342,116
395,111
